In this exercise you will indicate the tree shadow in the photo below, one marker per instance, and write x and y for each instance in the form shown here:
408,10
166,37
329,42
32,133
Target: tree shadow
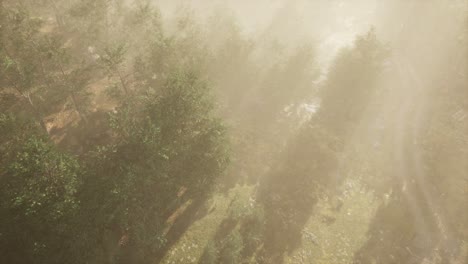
195,211
291,189
248,228
406,227
403,231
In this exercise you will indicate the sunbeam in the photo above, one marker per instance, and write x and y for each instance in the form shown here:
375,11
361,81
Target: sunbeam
234,131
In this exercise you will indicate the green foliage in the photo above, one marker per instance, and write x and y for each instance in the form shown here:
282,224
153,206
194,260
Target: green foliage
88,18
56,178
113,56
20,61
14,129
38,195
313,153
165,136
307,165
289,82
296,182
164,142
351,83
38,66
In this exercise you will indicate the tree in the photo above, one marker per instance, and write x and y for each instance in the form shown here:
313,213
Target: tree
112,60
305,168
20,63
67,74
169,148
289,83
425,174
39,65
38,195
350,84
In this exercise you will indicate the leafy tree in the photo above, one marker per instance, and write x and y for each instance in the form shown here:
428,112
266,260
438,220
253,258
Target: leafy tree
38,195
38,65
290,82
420,219
90,20
306,167
165,143
112,60
351,83
232,67
21,66
68,75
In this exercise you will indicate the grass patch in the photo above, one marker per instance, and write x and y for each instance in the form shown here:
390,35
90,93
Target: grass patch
192,244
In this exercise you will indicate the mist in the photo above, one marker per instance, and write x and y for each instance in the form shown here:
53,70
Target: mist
268,131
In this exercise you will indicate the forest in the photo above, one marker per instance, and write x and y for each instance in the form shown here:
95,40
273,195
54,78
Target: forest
233,131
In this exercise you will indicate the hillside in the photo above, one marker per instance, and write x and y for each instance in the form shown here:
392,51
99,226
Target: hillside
141,131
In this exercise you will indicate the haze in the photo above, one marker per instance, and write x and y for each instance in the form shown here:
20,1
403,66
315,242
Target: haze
224,131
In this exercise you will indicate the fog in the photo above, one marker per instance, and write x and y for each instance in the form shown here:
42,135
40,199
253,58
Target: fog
328,24
234,131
